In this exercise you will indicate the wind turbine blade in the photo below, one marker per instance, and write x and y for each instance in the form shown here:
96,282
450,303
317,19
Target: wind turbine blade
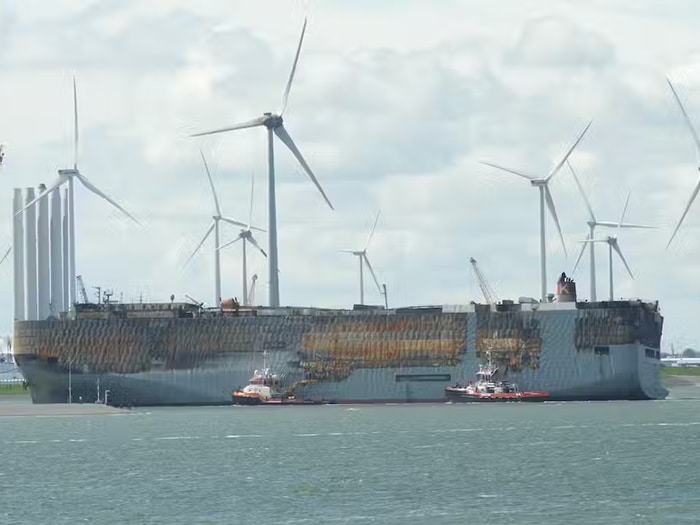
249,124
556,168
209,230
371,270
583,193
252,189
229,243
624,210
593,240
58,182
616,247
255,243
685,212
348,251
371,233
509,170
687,119
6,254
239,223
284,137
75,125
211,183
235,223
89,185
553,211
294,68
583,249
608,224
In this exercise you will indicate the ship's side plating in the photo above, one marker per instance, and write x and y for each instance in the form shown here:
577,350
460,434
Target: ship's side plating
172,354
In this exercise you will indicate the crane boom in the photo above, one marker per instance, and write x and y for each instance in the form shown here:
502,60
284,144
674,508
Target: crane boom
81,287
251,291
486,289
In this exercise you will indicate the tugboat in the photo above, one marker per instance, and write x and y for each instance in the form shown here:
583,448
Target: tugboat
264,389
488,390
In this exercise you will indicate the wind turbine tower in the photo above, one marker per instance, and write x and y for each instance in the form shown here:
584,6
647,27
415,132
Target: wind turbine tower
363,260
246,235
592,223
274,124
68,176
613,245
214,226
542,183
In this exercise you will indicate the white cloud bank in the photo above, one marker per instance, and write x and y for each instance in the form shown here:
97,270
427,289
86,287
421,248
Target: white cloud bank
393,106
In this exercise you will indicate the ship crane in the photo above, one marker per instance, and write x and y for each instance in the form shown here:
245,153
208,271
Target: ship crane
81,287
251,294
486,289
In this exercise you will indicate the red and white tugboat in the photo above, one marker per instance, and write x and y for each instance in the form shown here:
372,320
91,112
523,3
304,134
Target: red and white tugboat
488,390
264,389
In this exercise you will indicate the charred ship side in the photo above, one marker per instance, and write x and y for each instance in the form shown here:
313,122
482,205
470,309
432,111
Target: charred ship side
181,354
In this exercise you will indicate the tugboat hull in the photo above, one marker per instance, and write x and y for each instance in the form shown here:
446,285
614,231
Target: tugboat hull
461,396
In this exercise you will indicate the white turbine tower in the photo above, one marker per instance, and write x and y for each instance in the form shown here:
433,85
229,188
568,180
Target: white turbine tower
592,223
696,140
214,226
542,183
273,123
68,176
363,260
246,236
612,245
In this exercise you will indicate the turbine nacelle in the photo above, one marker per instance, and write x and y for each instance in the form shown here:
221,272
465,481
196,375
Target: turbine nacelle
272,121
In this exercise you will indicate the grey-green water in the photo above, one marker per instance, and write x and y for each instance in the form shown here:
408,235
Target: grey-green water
585,463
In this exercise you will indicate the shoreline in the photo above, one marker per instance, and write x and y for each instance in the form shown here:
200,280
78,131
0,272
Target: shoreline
14,406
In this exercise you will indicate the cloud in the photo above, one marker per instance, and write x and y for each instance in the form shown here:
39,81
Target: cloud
555,42
393,108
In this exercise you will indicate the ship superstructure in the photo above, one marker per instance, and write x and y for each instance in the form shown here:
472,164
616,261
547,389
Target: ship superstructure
180,354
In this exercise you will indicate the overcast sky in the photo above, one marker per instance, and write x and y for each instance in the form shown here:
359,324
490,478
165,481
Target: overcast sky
394,104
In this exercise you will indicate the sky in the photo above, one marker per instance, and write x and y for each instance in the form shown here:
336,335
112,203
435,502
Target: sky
394,105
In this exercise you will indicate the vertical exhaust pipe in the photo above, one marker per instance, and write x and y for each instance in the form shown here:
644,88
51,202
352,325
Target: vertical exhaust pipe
30,261
43,270
64,258
56,254
18,254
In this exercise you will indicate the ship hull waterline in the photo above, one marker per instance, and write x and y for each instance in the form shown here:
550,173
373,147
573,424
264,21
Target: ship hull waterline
579,353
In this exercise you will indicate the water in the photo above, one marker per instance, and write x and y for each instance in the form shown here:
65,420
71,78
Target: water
588,463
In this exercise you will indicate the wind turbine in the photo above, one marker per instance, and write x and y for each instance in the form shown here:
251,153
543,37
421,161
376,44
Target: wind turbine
542,183
696,140
592,223
214,226
612,245
2,154
246,236
274,125
363,260
68,176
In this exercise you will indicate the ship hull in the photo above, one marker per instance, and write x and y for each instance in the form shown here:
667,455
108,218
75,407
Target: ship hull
575,354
